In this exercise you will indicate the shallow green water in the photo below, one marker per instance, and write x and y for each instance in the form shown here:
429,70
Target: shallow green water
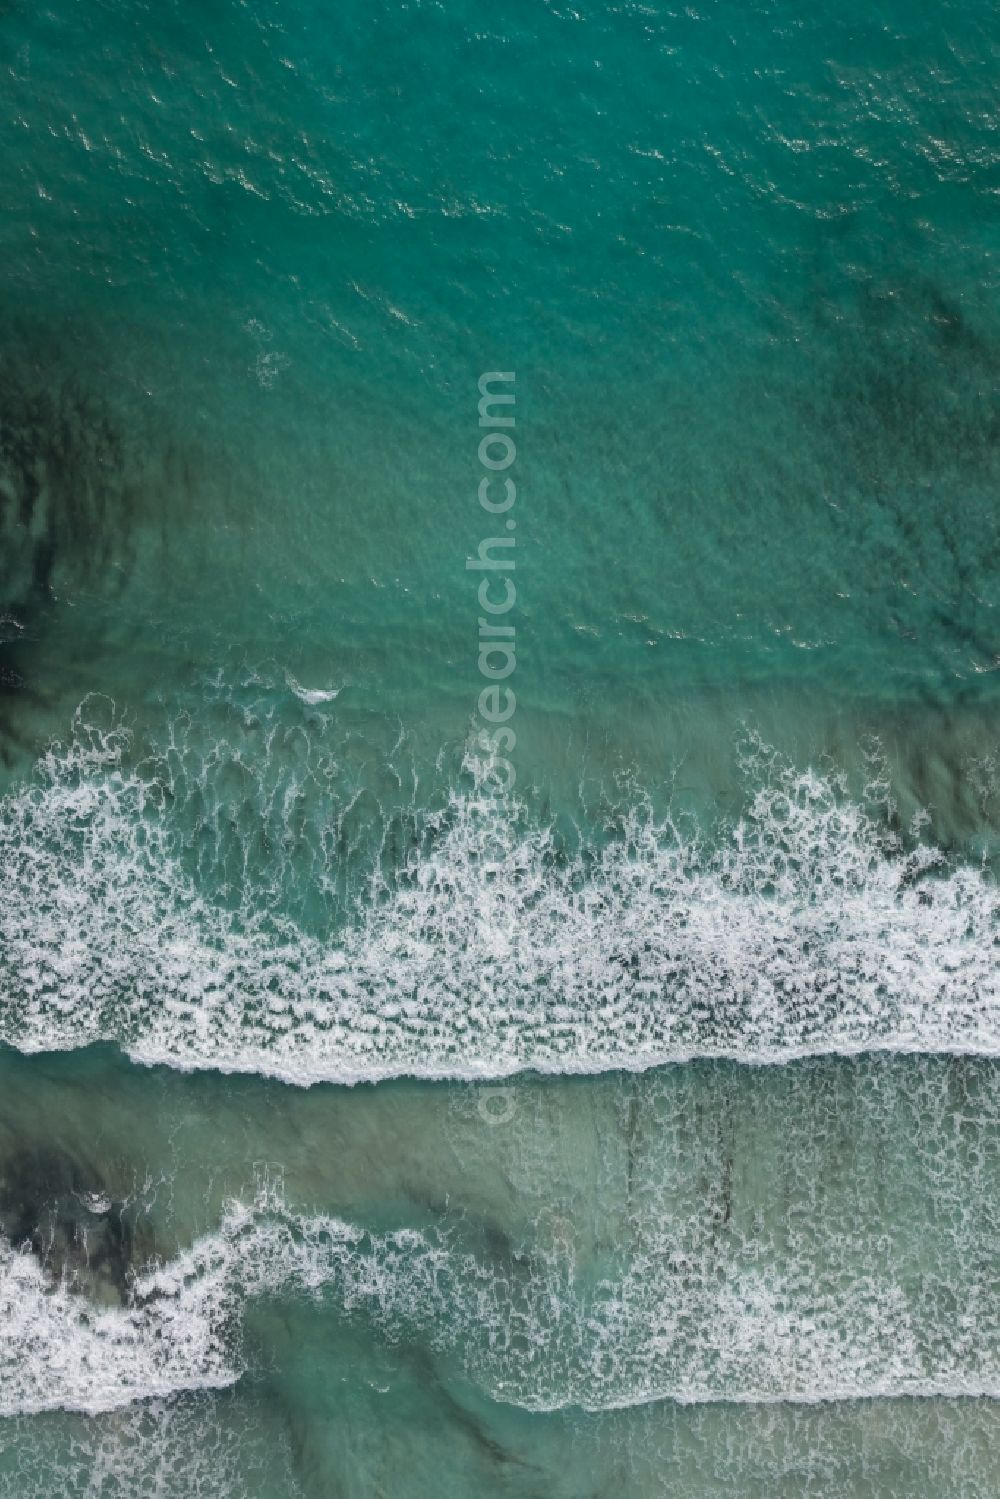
364,1131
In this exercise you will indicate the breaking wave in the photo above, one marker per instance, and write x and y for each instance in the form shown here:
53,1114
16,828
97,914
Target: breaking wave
806,928
536,1329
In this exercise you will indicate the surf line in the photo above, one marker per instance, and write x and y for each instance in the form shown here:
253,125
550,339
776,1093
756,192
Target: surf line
496,739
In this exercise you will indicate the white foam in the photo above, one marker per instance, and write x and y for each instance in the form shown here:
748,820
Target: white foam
805,931
313,696
715,1326
59,1350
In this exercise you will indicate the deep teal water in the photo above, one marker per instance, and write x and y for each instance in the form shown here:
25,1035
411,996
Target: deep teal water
363,1132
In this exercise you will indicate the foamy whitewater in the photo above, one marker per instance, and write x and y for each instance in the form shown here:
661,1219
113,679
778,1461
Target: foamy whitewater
805,929
692,1321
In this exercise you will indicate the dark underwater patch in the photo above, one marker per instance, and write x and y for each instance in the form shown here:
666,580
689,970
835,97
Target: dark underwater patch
905,425
66,517
909,411
909,426
60,1210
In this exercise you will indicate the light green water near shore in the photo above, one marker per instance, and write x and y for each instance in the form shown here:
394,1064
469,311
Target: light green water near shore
364,1134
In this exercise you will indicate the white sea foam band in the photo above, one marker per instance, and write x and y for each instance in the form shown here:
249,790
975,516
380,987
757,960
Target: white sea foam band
805,930
750,1335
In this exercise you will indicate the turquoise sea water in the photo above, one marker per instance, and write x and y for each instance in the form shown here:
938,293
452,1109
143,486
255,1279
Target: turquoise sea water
365,1132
